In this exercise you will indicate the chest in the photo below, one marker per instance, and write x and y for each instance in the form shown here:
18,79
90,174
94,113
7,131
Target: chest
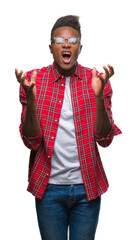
50,97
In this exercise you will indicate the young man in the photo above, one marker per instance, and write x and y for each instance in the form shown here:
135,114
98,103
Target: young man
66,110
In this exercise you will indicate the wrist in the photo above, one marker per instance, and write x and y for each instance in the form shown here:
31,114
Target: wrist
100,94
30,101
99,99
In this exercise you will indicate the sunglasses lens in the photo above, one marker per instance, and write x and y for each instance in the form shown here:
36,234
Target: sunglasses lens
59,40
73,40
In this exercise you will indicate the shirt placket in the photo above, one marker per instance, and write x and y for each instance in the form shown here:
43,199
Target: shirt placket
59,103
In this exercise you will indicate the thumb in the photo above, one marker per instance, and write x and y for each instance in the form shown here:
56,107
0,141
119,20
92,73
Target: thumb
33,77
94,72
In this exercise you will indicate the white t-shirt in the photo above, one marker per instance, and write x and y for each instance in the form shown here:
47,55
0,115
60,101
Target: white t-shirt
65,165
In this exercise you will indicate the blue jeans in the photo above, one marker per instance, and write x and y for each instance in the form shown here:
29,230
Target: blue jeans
67,205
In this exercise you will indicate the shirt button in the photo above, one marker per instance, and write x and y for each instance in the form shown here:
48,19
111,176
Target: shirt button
62,85
59,101
47,174
52,137
56,120
48,156
62,76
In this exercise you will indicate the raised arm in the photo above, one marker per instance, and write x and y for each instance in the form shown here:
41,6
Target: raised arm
103,123
31,125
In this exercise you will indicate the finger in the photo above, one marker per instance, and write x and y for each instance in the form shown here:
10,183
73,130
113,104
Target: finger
33,77
106,74
102,79
23,78
111,70
16,72
32,85
94,72
18,75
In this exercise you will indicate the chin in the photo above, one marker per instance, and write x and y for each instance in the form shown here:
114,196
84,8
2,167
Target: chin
68,66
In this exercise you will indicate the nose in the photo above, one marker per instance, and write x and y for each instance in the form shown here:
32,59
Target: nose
66,44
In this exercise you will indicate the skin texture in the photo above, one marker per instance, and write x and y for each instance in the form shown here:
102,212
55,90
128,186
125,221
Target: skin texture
31,126
57,50
103,124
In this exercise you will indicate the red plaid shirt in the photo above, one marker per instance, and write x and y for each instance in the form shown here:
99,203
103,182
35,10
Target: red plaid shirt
50,92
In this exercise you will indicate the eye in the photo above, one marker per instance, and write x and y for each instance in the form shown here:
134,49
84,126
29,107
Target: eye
73,40
59,40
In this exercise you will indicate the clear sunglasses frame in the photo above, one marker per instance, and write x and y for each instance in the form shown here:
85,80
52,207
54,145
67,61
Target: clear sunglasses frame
61,40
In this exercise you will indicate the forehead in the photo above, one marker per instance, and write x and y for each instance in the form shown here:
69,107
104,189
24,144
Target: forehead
65,32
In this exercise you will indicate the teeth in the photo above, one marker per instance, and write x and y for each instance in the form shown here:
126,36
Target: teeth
68,53
66,56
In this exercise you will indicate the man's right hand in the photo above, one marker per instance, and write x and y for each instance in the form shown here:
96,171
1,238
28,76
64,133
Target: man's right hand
29,87
31,125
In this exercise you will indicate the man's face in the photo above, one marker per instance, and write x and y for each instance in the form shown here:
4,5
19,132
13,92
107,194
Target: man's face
66,54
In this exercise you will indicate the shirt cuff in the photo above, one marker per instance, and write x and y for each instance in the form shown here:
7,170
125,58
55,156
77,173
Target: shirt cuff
114,131
31,142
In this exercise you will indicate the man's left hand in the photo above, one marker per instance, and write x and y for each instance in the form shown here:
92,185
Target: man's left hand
99,81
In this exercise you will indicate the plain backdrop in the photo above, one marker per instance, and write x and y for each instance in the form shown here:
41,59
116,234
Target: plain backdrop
108,36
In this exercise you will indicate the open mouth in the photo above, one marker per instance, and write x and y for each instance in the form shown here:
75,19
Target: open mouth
66,56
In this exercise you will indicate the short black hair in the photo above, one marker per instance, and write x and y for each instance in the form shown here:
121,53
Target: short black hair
67,21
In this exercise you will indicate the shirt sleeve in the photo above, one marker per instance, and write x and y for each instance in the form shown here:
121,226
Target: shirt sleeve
105,142
32,143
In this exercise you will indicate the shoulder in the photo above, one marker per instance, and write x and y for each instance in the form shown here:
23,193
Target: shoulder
84,71
40,71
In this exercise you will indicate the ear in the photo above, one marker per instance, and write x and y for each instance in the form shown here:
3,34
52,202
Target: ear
50,47
80,48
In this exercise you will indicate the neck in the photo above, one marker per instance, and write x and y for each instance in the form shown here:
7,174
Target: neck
66,72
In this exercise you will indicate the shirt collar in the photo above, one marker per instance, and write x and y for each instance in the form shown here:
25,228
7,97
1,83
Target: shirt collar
78,71
56,75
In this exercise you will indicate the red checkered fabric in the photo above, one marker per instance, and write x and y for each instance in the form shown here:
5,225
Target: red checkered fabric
50,92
